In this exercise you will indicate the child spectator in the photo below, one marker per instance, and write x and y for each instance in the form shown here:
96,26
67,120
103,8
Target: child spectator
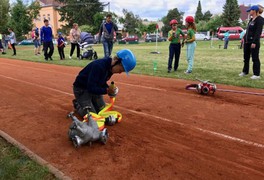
36,40
190,42
61,46
175,45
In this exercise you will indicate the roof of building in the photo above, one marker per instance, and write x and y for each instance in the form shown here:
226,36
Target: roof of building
49,3
243,12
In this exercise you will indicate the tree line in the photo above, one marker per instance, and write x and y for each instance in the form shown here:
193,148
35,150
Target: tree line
89,14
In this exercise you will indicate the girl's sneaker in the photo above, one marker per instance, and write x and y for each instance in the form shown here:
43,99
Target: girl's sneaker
242,74
187,72
255,77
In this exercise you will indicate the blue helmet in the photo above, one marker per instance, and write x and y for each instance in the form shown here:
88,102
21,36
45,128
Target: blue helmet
128,59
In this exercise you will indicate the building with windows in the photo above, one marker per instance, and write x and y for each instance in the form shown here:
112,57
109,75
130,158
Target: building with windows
49,11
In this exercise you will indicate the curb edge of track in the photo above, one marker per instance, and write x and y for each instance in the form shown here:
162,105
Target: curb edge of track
58,174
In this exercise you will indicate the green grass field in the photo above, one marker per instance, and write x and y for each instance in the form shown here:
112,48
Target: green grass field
15,165
211,63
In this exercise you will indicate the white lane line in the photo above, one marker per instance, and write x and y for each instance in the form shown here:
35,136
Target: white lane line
45,70
196,128
224,136
145,87
34,84
38,69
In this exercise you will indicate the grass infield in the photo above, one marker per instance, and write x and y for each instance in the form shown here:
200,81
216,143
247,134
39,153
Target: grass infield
220,66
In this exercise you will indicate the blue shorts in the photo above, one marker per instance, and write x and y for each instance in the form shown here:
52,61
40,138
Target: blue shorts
36,43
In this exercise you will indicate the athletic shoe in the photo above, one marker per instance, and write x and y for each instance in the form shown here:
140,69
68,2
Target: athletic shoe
242,74
255,77
70,57
169,71
187,72
51,58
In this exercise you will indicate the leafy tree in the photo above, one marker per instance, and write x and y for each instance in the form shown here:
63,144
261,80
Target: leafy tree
151,27
231,13
207,16
87,28
4,15
21,17
81,12
33,9
132,23
172,14
202,26
199,15
214,23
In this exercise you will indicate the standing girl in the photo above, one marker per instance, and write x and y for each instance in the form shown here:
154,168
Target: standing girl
190,42
61,46
252,42
12,38
175,45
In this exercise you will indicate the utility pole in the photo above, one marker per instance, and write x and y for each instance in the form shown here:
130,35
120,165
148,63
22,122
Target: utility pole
108,7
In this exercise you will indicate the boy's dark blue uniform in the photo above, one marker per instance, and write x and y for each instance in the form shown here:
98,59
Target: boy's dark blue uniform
91,84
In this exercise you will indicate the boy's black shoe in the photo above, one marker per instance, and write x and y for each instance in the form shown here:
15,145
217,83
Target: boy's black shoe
51,58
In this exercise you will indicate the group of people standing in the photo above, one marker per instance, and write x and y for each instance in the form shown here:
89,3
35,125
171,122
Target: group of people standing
174,36
250,40
45,37
8,40
107,33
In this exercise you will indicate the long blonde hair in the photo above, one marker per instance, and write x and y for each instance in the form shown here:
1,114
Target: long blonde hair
192,25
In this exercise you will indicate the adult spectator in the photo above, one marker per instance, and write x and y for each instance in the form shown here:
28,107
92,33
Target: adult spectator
226,39
107,32
1,45
46,39
12,38
252,42
75,38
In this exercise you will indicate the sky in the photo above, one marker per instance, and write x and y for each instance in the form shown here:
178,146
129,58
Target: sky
154,10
